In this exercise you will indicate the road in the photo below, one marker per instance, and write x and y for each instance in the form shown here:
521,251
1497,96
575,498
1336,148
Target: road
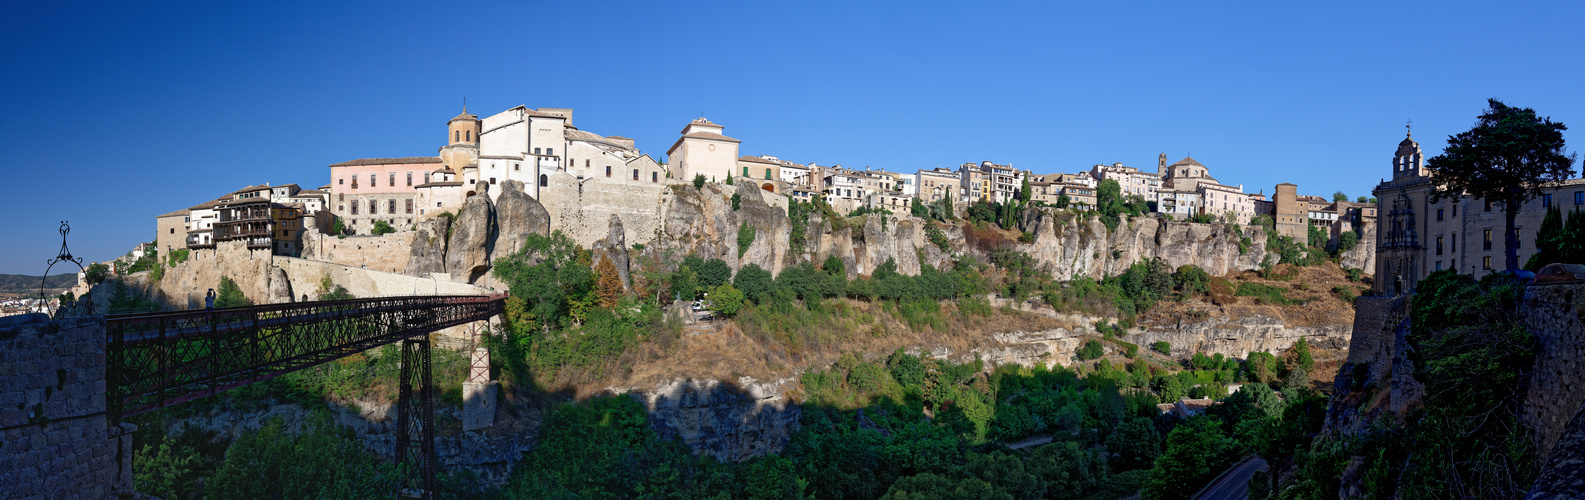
1234,484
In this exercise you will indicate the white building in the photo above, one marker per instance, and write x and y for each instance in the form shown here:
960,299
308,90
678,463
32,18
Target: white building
1130,179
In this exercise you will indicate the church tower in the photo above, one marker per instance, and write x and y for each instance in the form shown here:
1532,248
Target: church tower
462,147
1408,162
1161,164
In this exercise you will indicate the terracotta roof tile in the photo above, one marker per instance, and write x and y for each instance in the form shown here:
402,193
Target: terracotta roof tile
177,213
388,161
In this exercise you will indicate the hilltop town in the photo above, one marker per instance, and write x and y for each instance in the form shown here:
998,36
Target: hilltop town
581,178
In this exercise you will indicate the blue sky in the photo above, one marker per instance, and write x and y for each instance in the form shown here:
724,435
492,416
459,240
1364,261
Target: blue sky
115,112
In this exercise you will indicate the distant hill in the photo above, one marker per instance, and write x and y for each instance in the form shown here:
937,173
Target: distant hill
18,283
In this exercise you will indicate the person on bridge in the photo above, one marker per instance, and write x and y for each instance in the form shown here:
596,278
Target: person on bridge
209,299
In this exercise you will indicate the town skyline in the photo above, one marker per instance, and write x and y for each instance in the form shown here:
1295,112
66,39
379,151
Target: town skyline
183,115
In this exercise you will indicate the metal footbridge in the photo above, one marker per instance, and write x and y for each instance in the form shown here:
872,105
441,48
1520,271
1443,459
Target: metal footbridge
162,359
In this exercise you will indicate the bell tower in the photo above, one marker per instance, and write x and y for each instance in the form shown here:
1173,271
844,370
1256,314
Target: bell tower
462,146
1408,162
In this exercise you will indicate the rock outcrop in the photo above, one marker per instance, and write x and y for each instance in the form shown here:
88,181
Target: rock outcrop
428,254
614,247
280,287
1239,337
517,215
731,422
472,240
1363,255
1080,246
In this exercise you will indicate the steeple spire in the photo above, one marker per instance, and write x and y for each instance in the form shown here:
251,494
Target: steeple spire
1407,132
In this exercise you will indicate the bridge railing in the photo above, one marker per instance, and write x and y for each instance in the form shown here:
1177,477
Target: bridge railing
156,360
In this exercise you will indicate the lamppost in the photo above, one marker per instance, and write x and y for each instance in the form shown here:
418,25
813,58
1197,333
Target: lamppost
64,256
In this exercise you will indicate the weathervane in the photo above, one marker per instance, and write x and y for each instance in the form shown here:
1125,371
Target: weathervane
64,256
1408,131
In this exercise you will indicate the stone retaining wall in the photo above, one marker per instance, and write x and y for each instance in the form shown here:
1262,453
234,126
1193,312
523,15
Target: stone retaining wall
56,440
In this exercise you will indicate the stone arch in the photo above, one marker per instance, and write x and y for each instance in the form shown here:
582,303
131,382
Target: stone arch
768,187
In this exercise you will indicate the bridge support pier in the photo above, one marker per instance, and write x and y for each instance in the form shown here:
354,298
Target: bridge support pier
415,416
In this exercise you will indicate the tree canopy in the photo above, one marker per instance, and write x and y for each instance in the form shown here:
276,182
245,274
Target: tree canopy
1506,158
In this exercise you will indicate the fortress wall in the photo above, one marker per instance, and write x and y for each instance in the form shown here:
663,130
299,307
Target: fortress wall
1556,314
388,252
56,440
582,210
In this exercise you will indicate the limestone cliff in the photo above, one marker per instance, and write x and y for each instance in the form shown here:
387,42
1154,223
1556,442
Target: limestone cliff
729,421
473,238
517,216
1363,255
428,253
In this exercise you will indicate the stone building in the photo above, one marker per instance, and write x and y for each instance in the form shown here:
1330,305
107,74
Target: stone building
1417,237
937,183
1132,181
1290,213
171,231
370,189
987,181
703,150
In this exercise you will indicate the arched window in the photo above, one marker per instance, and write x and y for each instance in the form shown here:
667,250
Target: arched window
456,135
469,135
543,181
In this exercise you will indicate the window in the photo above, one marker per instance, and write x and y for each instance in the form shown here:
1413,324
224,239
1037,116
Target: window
173,230
1438,214
392,178
550,151
1579,197
390,206
585,163
492,180
409,179
468,135
342,197
536,151
1439,265
354,182
1546,201
1455,209
635,174
409,206
516,167
456,136
1488,206
543,181
1439,245
1485,262
437,205
745,171
371,181
354,207
1452,243
426,177
607,170
654,176
344,181
1518,242
767,174
1453,264
1487,244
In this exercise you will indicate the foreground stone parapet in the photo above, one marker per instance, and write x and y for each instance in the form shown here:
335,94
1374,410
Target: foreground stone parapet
56,440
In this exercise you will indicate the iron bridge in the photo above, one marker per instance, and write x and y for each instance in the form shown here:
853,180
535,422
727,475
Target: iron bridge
158,360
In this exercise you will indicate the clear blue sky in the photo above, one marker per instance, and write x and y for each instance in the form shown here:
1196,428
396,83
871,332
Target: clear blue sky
114,112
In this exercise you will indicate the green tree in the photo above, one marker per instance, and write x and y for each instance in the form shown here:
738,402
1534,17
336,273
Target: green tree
1507,158
382,227
727,301
684,283
1024,193
1548,240
323,461
1063,200
1092,349
755,282
737,199
1191,280
698,181
729,178
168,471
917,209
1572,248
1193,455
552,275
1361,199
711,273
97,273
229,295
1301,350
338,226
1339,196
1134,445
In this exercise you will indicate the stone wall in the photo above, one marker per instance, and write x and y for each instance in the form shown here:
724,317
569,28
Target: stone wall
56,441
184,286
388,252
1556,314
305,276
582,208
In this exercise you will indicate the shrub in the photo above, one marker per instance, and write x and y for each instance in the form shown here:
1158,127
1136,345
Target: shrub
755,282
745,237
1162,347
698,181
1345,292
975,306
938,237
737,199
1221,291
727,301
1191,279
1354,274
229,295
382,227
1091,350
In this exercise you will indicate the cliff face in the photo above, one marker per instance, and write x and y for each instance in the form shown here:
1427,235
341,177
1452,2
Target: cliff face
1076,246
1363,255
731,422
1239,337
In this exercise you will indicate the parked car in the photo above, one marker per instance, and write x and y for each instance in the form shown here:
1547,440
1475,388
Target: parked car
1561,273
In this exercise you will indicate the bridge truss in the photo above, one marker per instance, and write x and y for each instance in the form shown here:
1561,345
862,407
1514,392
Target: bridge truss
163,359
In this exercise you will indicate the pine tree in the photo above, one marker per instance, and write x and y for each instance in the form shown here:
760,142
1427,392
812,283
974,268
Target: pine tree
610,282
